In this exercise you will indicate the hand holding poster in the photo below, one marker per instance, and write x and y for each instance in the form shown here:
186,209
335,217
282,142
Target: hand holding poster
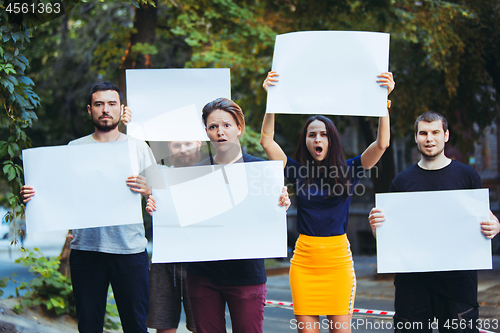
433,231
220,212
76,185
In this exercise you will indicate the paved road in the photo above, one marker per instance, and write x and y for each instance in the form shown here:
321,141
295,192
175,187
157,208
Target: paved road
372,293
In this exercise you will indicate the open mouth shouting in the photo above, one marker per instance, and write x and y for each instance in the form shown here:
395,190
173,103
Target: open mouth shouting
318,150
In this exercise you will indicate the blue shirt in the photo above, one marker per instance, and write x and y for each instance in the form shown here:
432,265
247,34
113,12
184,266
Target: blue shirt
239,272
317,213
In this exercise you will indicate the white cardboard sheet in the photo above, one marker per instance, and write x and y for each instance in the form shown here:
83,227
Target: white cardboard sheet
220,212
330,72
80,186
433,231
166,104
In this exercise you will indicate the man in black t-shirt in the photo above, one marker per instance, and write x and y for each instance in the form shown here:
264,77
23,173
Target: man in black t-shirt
448,296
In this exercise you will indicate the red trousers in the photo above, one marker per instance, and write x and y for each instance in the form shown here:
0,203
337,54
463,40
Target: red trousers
208,301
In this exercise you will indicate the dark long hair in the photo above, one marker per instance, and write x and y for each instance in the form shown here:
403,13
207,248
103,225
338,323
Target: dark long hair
334,159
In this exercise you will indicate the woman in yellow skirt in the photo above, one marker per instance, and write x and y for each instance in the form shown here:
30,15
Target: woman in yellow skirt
322,274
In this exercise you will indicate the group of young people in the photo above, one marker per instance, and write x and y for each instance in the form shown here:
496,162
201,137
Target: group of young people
322,276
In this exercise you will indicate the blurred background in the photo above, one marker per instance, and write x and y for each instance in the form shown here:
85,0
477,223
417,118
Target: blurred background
445,56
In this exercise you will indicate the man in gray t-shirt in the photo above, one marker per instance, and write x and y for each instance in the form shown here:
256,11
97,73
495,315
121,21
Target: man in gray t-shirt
113,255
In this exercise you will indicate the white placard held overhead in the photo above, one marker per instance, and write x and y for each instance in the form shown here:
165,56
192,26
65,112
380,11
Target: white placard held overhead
220,212
166,104
330,72
80,186
433,231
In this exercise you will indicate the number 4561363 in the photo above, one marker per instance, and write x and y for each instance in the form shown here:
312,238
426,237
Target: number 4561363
40,8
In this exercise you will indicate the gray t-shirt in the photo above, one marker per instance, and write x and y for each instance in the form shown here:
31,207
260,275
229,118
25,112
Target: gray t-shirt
120,239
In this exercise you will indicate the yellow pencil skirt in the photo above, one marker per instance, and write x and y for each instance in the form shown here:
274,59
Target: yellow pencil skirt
322,276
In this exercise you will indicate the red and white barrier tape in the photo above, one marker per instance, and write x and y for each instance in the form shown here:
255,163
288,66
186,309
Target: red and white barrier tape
360,311
279,303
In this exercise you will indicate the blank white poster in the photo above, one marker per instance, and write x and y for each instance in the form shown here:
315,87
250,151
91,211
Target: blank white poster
166,104
80,186
220,212
330,72
433,231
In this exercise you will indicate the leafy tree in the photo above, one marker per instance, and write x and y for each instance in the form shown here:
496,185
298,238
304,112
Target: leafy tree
443,54
67,67
99,40
17,104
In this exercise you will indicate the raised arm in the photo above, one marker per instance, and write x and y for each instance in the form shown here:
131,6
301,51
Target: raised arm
271,148
374,152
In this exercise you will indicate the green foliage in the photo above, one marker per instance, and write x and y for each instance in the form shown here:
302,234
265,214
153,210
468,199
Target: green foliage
3,283
230,34
17,103
110,321
49,288
272,263
68,55
144,48
108,55
440,65
445,56
250,143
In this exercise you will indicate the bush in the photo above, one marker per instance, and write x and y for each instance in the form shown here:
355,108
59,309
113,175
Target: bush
51,289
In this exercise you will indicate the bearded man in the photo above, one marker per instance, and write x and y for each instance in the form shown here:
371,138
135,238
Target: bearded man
113,255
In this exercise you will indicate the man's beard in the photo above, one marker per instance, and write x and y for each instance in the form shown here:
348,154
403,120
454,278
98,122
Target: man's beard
430,156
179,160
107,127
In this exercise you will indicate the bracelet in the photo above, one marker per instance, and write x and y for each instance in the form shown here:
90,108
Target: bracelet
267,134
389,103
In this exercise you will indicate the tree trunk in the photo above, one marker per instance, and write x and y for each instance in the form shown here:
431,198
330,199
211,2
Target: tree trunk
145,22
145,26
64,256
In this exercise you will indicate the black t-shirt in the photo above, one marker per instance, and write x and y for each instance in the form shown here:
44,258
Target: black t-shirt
241,272
459,285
